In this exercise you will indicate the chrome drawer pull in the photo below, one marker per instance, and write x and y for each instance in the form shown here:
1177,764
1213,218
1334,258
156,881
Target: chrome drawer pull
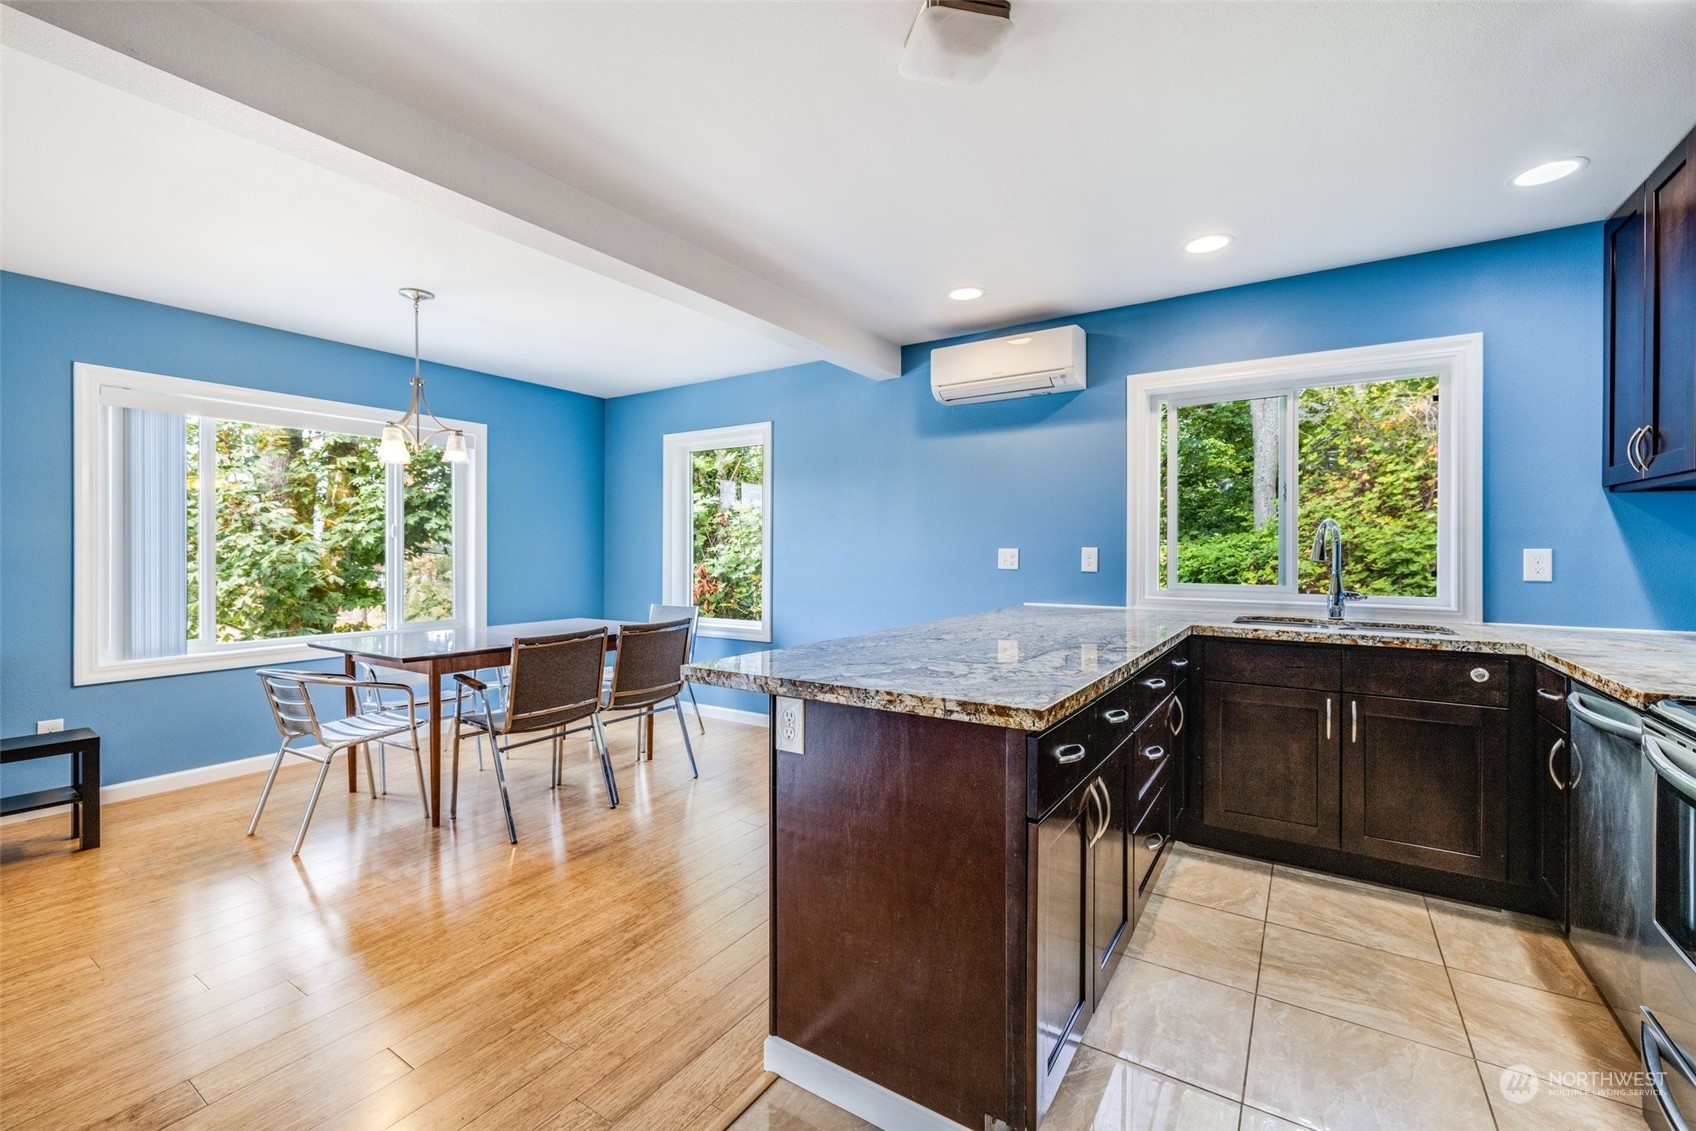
1480,675
1154,753
1180,661
1116,716
1156,683
1553,750
1069,753
1154,842
1554,695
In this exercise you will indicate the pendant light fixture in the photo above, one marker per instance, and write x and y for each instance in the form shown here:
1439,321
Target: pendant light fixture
407,435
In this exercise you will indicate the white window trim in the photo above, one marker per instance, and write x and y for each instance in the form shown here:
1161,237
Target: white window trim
1458,363
676,545
97,387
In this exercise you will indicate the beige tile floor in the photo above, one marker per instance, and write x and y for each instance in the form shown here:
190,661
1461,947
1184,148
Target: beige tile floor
1261,998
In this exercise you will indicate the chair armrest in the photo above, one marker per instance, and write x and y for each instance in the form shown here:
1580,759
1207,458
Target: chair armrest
470,681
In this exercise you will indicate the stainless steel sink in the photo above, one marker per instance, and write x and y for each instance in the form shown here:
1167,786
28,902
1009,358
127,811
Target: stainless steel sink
1387,628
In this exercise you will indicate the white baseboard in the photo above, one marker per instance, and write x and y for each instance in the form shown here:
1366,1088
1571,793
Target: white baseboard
852,1093
161,783
733,715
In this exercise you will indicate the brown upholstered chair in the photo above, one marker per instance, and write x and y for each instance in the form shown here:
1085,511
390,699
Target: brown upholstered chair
553,681
647,678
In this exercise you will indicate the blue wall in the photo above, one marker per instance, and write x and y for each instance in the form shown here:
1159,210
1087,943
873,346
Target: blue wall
544,492
887,507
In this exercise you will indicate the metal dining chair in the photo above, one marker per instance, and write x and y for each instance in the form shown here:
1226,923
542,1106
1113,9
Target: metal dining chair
553,681
675,612
647,678
289,694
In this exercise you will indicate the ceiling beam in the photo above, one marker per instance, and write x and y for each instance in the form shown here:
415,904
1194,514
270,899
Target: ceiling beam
197,63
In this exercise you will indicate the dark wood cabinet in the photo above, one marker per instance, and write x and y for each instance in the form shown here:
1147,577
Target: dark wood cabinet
1270,760
1109,911
1553,744
1065,995
1649,250
1426,784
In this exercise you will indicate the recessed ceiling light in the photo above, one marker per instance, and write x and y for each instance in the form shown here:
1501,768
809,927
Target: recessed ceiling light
965,294
1206,245
1550,171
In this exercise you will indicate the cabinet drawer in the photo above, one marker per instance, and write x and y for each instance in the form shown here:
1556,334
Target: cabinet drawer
1120,710
1310,666
1151,760
1063,756
1480,681
1150,839
1551,696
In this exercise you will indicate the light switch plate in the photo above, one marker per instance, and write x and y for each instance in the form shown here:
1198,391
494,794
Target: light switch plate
790,725
1007,558
1539,565
1092,559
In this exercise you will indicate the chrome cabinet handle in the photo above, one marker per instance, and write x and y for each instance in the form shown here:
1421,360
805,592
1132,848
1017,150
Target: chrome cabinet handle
1631,450
1645,447
1553,750
1480,675
1069,753
1116,716
1555,695
1577,768
1180,661
1154,753
1154,842
1178,707
1155,682
1098,792
1327,718
1354,720
1656,1044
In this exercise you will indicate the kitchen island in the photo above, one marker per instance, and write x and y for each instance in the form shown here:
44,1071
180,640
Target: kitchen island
968,815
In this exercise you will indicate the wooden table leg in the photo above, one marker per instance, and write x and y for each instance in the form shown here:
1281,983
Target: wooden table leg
648,735
88,809
434,698
354,752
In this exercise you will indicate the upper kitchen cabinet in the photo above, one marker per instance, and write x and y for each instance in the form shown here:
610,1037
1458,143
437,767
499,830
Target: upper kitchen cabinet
1650,353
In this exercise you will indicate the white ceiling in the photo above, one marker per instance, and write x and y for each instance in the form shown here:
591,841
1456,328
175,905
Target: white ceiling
778,139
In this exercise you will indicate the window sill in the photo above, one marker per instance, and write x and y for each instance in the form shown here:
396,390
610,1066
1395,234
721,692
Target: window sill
190,663
757,631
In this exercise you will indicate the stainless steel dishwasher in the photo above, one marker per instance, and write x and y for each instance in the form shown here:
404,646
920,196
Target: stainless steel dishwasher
1667,1030
1608,848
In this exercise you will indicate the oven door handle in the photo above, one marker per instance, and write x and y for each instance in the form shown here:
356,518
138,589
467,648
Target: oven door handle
1579,706
1656,1043
1670,771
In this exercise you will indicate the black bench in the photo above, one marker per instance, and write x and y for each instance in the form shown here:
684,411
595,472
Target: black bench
82,795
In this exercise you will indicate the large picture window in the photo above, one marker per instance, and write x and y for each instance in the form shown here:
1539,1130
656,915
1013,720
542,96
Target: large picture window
1233,467
717,545
223,527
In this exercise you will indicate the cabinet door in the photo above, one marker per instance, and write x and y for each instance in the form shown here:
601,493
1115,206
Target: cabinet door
1670,449
1108,869
1150,839
1426,784
1625,378
1064,987
1551,816
1175,716
1270,761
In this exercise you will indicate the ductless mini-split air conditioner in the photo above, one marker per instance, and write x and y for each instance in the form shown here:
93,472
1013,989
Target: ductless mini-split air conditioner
998,369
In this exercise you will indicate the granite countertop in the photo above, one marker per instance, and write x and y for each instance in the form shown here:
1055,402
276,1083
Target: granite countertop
1030,666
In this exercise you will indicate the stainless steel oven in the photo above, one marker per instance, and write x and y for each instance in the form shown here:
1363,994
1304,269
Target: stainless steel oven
1668,964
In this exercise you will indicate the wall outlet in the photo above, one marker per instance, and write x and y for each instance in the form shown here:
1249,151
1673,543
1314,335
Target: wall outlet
1007,558
791,725
49,726
1539,565
1092,559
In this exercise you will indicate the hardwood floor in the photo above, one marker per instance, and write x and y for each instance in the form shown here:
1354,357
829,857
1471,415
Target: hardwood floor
608,971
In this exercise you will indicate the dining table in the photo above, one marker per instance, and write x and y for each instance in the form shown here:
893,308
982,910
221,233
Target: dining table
443,650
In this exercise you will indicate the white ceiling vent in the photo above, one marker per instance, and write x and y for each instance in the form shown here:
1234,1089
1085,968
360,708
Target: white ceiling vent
998,369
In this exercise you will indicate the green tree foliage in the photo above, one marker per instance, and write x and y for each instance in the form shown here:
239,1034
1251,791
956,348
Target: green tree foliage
300,546
728,528
1367,456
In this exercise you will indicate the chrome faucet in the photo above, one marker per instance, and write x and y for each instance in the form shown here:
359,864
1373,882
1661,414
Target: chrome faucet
1333,554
